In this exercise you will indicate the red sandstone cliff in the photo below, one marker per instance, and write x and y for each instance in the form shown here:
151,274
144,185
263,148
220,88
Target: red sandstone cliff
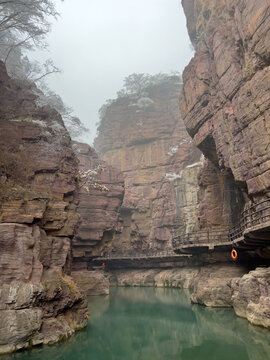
225,100
146,139
39,302
225,104
99,201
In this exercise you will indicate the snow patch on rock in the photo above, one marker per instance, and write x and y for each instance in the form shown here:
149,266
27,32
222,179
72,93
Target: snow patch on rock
173,150
193,165
173,176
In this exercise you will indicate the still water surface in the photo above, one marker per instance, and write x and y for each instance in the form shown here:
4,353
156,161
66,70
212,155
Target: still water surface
157,324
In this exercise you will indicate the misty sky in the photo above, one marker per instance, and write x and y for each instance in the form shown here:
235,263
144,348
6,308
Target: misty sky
97,43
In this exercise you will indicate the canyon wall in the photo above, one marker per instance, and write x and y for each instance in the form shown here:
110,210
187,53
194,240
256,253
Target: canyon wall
225,104
143,136
100,196
225,100
39,302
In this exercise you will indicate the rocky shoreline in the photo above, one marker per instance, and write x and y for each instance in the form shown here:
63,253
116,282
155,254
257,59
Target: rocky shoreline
218,285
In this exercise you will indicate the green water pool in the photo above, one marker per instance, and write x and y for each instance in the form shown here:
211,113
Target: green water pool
157,324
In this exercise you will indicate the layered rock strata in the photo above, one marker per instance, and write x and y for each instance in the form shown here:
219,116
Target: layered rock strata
92,282
225,105
251,297
99,199
225,101
147,141
224,285
220,199
212,285
39,303
176,278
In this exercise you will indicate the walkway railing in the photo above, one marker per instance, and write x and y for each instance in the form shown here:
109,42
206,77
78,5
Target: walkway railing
257,214
201,237
146,254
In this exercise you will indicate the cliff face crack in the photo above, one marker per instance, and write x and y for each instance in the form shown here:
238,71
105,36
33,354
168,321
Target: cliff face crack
265,17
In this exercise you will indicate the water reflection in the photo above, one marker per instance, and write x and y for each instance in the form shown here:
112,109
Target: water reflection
157,324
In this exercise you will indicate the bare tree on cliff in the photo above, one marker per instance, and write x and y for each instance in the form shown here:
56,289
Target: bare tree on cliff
138,83
27,20
23,26
73,124
135,88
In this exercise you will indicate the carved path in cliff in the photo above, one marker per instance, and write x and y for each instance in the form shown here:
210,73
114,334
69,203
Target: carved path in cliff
151,258
146,255
252,232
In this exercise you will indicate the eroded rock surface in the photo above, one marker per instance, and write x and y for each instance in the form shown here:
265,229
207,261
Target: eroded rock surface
149,144
39,302
225,104
251,297
212,285
225,100
92,282
230,285
175,278
99,199
221,200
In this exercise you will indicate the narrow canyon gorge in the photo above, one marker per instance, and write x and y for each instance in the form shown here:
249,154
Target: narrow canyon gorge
178,162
